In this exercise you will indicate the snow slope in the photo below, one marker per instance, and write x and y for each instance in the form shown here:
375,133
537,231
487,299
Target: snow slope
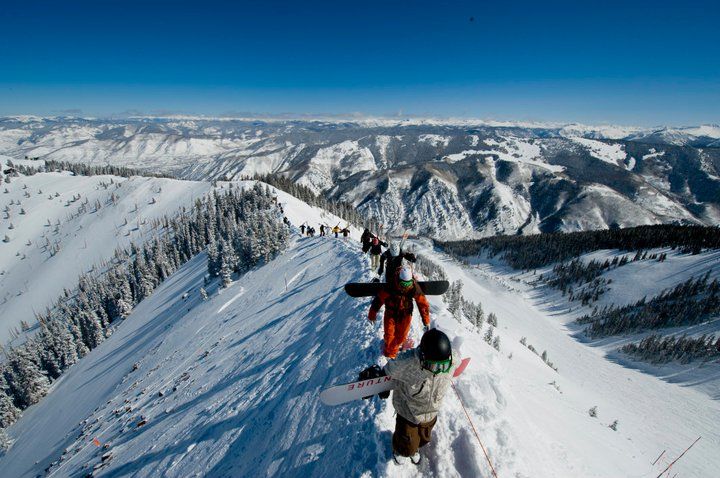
84,236
654,415
228,387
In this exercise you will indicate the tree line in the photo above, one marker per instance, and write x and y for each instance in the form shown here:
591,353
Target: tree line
657,349
339,208
689,303
244,223
530,252
566,276
82,169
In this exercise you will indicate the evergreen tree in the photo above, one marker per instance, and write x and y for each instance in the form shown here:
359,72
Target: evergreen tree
90,326
228,260
488,335
213,253
5,441
492,319
57,348
8,411
26,382
479,317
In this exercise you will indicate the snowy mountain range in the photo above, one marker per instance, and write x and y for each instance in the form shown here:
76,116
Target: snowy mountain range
228,386
445,179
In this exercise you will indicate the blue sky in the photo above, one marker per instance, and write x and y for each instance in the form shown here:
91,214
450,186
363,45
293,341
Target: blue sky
632,62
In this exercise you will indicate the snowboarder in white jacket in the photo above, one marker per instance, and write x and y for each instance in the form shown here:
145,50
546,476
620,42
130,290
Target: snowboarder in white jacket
423,377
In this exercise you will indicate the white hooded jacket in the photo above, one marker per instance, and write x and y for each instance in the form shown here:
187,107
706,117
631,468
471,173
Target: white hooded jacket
419,392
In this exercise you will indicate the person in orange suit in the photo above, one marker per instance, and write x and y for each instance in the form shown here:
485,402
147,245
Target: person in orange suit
397,297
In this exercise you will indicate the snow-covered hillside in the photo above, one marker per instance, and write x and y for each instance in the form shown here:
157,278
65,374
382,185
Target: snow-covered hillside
658,408
228,387
55,231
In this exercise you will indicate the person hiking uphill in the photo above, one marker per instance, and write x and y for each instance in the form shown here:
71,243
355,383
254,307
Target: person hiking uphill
397,297
302,229
392,259
423,378
366,240
376,246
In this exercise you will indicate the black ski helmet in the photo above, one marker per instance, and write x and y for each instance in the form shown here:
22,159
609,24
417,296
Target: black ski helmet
435,345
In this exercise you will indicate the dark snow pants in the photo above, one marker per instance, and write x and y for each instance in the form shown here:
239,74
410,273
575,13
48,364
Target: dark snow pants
408,437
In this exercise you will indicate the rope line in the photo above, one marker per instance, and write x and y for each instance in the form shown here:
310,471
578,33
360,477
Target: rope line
474,430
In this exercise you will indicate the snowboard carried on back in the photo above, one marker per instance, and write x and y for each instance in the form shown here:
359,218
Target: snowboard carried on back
371,289
348,392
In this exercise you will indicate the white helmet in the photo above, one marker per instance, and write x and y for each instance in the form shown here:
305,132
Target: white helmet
405,274
394,249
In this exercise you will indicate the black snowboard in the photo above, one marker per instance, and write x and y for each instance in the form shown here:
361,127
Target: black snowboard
370,289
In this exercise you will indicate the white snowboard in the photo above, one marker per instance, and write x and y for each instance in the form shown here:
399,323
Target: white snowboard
348,392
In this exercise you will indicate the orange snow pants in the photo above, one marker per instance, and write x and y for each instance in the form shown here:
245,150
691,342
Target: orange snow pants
396,331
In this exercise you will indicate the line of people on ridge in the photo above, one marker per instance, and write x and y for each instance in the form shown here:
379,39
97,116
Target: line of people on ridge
309,231
423,375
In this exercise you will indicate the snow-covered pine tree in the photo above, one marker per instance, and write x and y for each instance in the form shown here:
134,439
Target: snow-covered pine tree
57,347
228,260
213,253
492,319
160,261
8,411
144,278
488,335
26,383
91,328
73,323
5,441
121,301
455,299
496,343
203,293
479,317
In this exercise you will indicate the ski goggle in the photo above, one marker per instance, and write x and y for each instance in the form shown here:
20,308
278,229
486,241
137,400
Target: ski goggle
438,366
405,283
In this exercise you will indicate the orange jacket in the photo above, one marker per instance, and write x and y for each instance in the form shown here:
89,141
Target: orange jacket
399,304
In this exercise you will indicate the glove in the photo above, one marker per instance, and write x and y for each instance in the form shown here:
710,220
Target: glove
373,372
410,257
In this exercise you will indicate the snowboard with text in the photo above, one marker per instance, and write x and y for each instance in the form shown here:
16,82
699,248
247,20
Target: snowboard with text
348,392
